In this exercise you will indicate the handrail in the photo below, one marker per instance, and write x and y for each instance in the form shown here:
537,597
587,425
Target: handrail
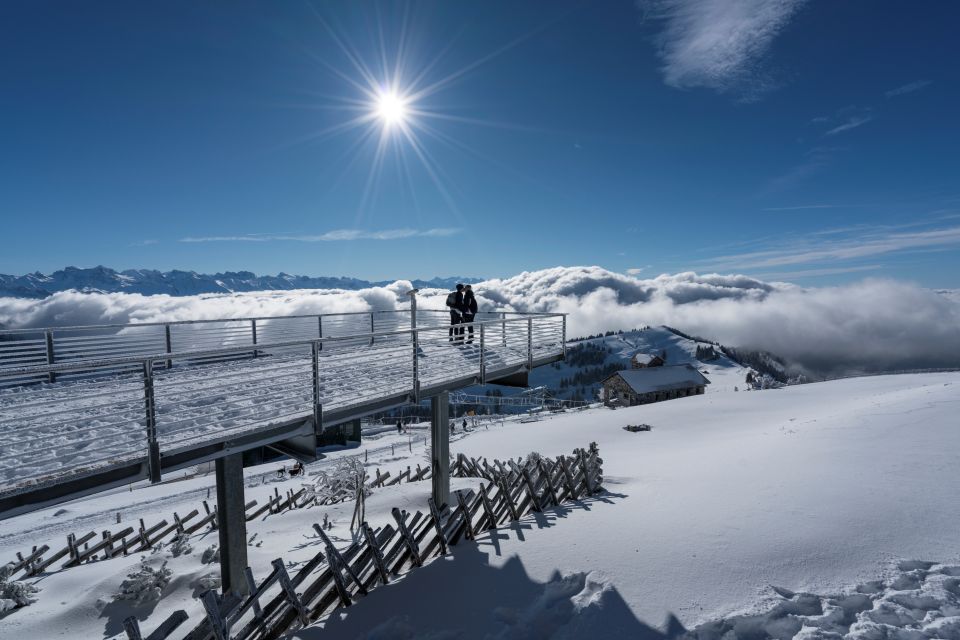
86,365
139,407
84,327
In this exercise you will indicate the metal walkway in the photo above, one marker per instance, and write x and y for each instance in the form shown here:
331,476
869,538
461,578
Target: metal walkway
83,409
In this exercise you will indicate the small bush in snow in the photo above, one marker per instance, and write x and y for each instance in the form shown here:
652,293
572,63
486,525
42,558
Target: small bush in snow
14,593
146,584
180,546
343,481
210,554
534,457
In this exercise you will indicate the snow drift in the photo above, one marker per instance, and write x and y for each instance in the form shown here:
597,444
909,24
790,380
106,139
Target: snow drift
871,325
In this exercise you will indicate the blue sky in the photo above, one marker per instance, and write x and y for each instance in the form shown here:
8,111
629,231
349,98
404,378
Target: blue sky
811,141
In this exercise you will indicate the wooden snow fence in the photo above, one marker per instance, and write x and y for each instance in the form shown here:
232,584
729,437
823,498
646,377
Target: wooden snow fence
338,578
85,548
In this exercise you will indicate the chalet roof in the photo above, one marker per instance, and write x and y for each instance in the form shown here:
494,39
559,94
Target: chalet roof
662,378
645,358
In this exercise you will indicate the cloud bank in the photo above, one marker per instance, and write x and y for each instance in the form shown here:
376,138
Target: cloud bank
872,325
717,44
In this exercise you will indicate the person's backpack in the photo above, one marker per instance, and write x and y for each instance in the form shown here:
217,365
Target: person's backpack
452,299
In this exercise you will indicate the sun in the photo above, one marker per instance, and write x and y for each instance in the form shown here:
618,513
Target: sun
391,109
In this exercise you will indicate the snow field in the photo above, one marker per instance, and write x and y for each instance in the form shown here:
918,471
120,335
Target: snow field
814,489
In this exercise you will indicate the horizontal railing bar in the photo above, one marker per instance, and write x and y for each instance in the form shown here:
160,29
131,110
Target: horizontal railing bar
93,364
248,318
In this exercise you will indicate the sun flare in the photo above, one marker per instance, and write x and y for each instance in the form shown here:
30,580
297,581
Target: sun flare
391,108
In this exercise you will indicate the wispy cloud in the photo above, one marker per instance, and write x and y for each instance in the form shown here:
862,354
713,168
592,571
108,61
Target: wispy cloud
816,273
862,243
813,206
908,88
337,235
814,160
844,119
717,44
852,123
143,243
635,271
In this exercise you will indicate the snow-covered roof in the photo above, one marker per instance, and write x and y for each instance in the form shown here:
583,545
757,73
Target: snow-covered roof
645,358
662,378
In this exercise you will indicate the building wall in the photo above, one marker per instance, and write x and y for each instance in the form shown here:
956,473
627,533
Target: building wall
617,389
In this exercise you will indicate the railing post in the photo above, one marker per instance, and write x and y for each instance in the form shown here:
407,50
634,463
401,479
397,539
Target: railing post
372,328
564,336
320,330
153,447
52,376
529,344
169,343
315,364
503,317
483,362
413,307
416,367
253,335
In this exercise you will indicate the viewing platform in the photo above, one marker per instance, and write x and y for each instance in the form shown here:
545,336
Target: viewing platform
84,409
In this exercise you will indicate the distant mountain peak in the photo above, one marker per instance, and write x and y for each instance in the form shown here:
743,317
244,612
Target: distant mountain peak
177,282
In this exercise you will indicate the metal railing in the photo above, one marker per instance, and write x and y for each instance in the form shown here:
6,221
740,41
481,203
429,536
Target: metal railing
22,348
113,409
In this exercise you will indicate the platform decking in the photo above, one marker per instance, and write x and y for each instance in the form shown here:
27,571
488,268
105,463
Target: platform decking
120,409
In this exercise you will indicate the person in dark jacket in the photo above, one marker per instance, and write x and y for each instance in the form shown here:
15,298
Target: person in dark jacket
469,311
399,425
455,305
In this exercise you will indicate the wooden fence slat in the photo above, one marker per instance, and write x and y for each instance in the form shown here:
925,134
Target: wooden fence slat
408,539
28,563
508,499
582,458
548,478
132,627
531,492
212,608
254,597
290,592
88,553
169,625
568,479
435,515
487,507
336,560
376,552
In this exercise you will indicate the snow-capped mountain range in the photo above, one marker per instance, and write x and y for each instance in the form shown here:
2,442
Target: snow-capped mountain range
184,283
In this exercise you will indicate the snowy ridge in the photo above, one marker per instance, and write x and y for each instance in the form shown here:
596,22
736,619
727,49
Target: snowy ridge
184,283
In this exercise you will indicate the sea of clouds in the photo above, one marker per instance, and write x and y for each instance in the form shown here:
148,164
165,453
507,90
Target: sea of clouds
871,325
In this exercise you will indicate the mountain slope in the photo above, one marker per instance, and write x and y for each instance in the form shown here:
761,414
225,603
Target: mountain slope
590,360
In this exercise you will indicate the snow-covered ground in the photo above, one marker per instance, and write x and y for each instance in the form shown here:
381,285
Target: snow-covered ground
814,489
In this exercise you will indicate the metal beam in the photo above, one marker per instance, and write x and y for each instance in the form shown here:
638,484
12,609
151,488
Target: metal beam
440,447
232,524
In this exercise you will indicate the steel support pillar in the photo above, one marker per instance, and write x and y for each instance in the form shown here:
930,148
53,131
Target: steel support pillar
354,431
440,447
232,524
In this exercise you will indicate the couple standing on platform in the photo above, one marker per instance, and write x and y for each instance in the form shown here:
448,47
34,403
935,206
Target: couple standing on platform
463,309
